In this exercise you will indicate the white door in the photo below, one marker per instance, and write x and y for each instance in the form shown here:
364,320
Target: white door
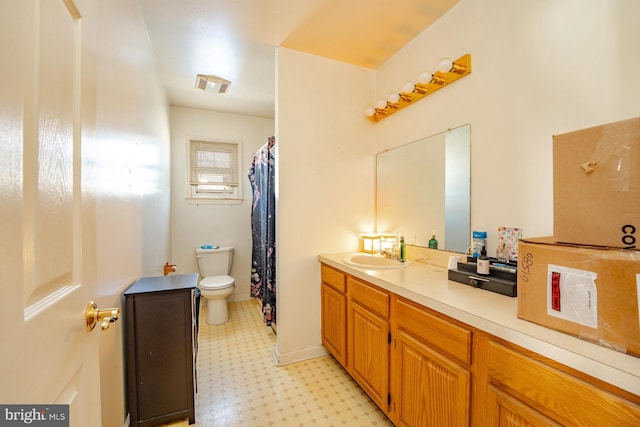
47,214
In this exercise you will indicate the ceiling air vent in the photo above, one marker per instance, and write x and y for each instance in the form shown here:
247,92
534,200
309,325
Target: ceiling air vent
213,84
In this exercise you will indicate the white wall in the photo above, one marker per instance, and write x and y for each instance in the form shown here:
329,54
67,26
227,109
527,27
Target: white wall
325,163
131,170
224,225
538,69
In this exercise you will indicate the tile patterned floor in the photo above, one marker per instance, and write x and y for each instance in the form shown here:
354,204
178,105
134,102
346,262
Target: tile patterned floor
239,384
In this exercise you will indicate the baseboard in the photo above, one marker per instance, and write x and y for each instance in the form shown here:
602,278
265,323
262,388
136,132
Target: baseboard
282,359
238,297
231,298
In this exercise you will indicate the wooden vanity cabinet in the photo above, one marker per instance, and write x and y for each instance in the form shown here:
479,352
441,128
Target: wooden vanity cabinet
524,391
423,368
334,312
368,339
430,368
161,349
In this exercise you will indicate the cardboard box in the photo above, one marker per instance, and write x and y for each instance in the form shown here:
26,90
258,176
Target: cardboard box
586,291
596,185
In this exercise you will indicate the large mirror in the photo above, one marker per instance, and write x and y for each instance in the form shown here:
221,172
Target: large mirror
425,187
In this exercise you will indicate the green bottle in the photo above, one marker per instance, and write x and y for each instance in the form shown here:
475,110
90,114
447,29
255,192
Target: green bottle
433,243
403,250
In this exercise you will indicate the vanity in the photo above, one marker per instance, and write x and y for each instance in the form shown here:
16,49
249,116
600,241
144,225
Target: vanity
429,351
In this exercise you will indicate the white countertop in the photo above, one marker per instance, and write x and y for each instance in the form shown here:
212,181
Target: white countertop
498,315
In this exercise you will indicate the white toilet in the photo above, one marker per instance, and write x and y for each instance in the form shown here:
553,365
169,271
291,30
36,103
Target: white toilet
216,284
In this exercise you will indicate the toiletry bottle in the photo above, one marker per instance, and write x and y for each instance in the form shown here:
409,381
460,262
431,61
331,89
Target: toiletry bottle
479,239
483,263
403,249
433,243
502,253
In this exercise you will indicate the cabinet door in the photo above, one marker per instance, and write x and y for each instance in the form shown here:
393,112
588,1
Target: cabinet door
507,411
429,389
334,323
368,353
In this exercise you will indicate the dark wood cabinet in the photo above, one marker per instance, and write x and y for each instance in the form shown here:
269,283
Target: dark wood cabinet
161,345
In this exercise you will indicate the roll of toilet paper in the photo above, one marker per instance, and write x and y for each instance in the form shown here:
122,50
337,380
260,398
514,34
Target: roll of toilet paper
453,262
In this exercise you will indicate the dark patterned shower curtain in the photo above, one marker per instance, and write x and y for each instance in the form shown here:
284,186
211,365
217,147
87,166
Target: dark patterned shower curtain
263,229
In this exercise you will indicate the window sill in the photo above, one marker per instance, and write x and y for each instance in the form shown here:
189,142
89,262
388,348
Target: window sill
203,201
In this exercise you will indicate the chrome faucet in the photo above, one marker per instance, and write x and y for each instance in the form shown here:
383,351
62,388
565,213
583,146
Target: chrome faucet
393,252
390,246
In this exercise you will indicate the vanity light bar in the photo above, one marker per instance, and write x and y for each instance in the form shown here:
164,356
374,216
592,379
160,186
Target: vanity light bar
448,72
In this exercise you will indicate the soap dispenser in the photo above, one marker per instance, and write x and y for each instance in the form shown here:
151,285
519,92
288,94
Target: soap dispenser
484,264
433,243
403,249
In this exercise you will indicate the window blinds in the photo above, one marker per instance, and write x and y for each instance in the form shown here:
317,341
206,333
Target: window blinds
213,163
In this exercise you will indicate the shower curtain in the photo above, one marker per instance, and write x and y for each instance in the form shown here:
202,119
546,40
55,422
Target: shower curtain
263,229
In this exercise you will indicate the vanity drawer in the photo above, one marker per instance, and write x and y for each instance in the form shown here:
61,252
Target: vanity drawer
368,296
333,278
447,337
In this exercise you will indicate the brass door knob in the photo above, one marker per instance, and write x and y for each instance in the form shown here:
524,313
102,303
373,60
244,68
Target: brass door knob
93,315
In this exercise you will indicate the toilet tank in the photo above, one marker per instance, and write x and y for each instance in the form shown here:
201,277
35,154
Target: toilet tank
214,262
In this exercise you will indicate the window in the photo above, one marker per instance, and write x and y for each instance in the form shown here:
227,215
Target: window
213,172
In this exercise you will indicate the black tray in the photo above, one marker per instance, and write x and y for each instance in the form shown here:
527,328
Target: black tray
501,282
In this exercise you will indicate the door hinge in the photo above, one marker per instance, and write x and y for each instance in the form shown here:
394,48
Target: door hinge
388,399
389,338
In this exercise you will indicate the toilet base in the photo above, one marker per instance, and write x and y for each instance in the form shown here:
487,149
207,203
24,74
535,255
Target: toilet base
217,311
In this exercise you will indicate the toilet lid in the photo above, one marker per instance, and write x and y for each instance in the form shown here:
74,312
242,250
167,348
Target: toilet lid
217,282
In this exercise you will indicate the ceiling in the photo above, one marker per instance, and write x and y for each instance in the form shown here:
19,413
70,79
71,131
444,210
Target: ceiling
236,40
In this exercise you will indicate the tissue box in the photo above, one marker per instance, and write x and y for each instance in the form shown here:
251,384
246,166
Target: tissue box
596,185
590,292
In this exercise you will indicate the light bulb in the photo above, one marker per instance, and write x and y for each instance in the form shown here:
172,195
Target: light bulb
370,111
425,77
393,98
446,65
408,87
381,104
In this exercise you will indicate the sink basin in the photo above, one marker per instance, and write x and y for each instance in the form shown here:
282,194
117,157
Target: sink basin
374,261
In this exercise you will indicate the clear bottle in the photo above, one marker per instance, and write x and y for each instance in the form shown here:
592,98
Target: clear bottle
403,249
483,265
502,253
433,243
395,247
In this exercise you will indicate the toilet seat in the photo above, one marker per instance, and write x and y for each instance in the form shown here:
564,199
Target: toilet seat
216,282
